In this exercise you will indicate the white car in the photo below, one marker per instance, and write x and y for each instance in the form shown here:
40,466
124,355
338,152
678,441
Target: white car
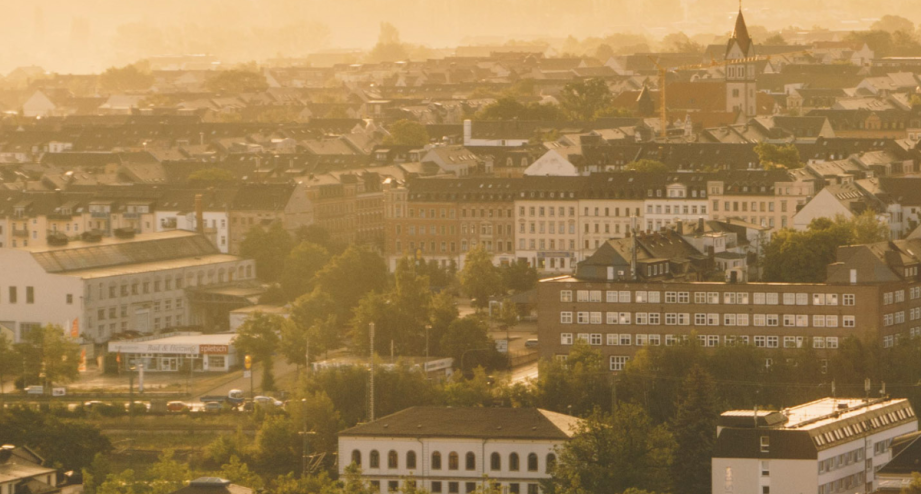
267,400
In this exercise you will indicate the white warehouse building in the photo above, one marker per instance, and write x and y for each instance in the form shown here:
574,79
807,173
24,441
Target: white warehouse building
826,446
454,450
96,289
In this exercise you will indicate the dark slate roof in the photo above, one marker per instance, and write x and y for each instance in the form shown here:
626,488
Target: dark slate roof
492,423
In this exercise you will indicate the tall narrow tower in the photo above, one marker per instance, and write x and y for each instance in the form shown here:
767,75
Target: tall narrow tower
740,77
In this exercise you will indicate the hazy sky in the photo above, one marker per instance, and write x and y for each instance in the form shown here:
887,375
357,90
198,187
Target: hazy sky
90,35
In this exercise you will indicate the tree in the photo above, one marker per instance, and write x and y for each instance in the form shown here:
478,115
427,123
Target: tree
8,361
351,275
612,453
773,156
776,40
47,352
468,343
136,77
258,337
803,256
407,133
235,81
915,486
604,52
301,267
239,473
576,386
480,279
647,166
518,276
269,248
892,24
68,443
307,312
681,43
694,429
168,474
212,175
388,47
581,100
509,108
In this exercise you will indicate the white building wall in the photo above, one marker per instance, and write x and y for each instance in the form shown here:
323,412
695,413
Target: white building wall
425,475
50,294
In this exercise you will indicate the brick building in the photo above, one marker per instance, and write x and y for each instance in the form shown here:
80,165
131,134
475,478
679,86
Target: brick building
873,292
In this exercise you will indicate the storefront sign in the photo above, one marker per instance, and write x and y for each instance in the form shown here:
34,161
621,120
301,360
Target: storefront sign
213,349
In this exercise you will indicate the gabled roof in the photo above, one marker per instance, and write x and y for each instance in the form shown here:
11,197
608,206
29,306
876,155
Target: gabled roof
740,36
492,423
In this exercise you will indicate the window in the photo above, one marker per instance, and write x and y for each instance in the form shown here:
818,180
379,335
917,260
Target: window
565,295
618,362
765,444
12,294
566,339
470,461
495,462
582,295
436,461
551,462
30,295
453,461
532,462
436,487
411,460
375,459
513,462
849,321
453,487
393,460
469,486
565,317
582,317
356,457
849,299
765,468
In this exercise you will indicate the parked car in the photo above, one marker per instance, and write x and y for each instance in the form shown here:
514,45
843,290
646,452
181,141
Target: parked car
35,390
531,343
267,400
213,406
176,406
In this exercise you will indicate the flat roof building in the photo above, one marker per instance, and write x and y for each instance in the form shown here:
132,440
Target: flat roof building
99,287
826,446
175,351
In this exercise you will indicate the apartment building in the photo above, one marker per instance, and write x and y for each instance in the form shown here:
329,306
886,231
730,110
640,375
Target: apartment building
873,291
683,197
265,203
95,289
443,219
766,198
457,450
547,223
831,445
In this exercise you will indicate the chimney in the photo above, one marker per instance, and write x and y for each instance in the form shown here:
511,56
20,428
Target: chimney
853,276
679,227
199,215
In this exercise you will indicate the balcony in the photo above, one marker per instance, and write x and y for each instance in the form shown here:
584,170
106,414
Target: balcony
100,214
20,233
131,216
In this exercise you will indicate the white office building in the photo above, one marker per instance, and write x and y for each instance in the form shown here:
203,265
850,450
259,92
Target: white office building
827,446
457,450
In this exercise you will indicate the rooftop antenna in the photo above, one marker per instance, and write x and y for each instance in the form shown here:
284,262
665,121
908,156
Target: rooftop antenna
866,388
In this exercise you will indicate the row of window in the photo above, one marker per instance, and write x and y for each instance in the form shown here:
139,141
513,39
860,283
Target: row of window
708,319
712,298
452,246
842,460
453,487
760,341
170,283
845,484
678,209
122,311
495,461
13,295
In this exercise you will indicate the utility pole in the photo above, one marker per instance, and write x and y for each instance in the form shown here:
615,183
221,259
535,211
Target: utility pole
371,328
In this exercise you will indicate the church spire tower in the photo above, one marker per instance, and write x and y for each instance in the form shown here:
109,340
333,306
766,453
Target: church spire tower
740,77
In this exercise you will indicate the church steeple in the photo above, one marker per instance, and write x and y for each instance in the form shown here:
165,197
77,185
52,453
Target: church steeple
740,35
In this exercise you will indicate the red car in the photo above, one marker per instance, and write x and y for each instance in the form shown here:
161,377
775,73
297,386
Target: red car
176,406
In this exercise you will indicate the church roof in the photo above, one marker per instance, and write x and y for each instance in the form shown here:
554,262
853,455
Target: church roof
740,36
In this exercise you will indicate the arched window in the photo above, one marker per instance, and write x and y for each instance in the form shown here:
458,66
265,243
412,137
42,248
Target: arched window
551,462
470,462
356,457
532,462
411,460
375,459
495,462
513,462
453,461
393,460
436,461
